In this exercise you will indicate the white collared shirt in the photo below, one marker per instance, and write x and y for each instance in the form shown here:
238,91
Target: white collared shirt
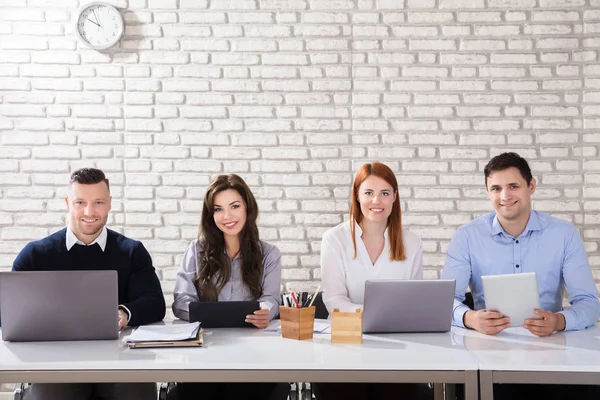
72,239
343,278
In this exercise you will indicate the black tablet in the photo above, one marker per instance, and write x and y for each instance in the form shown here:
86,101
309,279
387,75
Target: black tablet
222,314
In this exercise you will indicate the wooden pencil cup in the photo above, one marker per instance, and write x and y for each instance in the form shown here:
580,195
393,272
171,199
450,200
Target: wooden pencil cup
297,323
346,327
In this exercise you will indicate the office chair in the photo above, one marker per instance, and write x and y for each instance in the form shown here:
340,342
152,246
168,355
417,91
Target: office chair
168,391
19,391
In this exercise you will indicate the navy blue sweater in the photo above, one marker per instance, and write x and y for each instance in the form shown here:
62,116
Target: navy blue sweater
139,287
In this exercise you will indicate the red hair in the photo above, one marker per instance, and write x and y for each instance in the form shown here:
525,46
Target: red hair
394,220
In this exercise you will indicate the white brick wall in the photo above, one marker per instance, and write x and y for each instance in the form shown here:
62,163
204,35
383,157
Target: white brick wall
294,95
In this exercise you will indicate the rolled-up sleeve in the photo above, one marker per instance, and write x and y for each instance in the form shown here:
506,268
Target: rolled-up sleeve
458,267
185,292
271,282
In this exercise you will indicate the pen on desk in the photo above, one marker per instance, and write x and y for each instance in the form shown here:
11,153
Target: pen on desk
314,296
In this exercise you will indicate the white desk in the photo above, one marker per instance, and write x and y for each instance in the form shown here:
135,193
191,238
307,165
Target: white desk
516,356
247,355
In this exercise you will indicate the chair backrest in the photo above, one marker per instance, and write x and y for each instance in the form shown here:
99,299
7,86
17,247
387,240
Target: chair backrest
469,301
320,309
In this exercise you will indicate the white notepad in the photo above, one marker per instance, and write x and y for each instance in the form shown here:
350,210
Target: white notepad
321,326
164,333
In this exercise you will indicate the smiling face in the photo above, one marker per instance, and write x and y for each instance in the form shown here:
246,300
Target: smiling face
510,195
376,198
88,207
229,212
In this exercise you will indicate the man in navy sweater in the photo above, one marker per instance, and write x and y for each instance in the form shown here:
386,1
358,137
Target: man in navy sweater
86,244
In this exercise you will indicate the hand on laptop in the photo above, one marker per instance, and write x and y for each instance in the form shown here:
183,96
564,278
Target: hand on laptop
549,323
122,319
489,322
259,319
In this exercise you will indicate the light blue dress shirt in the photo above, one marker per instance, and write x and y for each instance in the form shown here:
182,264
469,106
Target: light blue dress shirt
548,246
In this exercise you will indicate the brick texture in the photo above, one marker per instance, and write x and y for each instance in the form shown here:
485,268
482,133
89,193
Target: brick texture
294,95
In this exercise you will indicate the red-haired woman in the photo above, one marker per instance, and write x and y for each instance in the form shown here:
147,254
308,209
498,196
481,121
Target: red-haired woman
371,245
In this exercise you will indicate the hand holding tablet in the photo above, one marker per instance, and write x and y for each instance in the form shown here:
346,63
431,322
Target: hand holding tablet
513,295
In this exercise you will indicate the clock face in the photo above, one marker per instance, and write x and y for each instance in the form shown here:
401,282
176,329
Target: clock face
99,25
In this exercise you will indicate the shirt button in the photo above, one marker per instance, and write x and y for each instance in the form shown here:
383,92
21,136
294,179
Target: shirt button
517,265
517,241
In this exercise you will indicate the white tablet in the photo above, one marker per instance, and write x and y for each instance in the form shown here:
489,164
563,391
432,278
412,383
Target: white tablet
514,295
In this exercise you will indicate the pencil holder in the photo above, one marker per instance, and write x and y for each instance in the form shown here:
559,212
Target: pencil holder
346,327
297,323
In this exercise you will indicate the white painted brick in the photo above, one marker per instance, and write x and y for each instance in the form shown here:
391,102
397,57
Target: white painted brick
429,17
462,85
503,72
461,4
93,125
557,43
562,3
429,112
22,111
432,44
183,85
455,125
511,3
482,16
475,45
425,71
40,125
263,31
456,30
273,166
250,112
496,30
452,58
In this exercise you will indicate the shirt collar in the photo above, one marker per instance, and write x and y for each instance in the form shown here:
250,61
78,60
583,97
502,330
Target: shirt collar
72,239
532,225
358,231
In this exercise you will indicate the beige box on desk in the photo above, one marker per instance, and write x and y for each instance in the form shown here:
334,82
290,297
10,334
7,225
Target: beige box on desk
346,327
297,323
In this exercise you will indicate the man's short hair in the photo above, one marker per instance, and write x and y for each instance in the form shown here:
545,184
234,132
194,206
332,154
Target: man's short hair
507,160
89,176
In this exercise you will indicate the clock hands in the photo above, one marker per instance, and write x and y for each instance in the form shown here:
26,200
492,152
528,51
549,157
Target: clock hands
93,22
95,16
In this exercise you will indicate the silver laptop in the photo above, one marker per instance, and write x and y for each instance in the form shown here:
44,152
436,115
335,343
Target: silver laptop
59,305
408,306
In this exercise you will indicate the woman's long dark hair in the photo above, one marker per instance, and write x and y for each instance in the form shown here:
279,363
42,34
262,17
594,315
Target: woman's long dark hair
214,267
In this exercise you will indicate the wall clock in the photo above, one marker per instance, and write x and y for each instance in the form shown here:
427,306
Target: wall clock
99,25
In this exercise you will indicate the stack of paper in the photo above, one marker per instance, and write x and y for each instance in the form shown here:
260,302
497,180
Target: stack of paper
321,326
179,335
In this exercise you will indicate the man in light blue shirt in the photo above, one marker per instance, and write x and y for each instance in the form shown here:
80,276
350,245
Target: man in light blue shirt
515,239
